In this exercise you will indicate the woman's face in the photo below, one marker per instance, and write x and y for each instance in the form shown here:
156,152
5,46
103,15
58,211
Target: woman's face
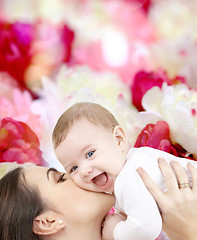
64,196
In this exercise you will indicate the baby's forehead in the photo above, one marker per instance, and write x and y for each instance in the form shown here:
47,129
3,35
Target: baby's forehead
83,121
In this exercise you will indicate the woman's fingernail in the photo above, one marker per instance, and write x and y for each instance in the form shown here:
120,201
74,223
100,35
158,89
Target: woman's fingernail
172,162
139,171
160,160
189,165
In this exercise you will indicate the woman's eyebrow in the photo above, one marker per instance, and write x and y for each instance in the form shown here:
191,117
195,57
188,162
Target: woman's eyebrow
51,170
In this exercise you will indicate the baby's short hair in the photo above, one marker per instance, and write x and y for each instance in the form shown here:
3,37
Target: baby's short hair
93,112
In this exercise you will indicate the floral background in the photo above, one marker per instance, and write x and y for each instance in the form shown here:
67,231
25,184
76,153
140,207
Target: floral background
135,57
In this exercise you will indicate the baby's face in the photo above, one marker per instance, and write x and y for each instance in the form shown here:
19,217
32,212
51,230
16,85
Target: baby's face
92,155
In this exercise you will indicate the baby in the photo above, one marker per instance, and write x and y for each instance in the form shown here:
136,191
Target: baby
94,150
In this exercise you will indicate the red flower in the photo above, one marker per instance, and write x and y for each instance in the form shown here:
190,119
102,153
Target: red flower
18,143
67,36
158,136
143,81
15,54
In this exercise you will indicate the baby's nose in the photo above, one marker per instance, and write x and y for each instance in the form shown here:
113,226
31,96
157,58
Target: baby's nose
85,170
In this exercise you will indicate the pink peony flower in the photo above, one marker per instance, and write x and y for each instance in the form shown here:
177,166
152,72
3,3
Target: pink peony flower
15,49
144,4
143,81
54,42
51,47
158,136
18,143
115,45
18,105
29,51
7,85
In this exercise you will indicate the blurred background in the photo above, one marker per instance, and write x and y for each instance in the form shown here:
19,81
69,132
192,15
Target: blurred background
135,57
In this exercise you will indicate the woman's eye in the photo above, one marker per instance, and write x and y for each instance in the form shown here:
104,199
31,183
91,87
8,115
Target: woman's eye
62,178
73,169
90,154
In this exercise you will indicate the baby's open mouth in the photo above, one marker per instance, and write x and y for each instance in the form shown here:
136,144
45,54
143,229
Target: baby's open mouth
100,179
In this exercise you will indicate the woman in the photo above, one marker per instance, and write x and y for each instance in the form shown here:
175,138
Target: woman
179,204
55,207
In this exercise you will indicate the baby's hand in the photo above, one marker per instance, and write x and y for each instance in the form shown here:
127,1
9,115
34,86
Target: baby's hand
109,225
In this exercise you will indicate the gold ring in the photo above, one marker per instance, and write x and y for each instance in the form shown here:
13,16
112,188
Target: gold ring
184,184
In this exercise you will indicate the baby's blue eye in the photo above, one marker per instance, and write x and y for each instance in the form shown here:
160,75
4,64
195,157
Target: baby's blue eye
74,168
90,154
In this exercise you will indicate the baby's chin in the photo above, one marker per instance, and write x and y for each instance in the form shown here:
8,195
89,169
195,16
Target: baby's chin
97,189
106,190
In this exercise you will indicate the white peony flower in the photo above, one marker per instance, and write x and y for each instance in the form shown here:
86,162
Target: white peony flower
177,105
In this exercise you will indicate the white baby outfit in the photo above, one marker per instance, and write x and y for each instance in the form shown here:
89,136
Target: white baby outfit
144,220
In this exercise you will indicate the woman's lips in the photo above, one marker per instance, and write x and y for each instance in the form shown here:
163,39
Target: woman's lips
102,181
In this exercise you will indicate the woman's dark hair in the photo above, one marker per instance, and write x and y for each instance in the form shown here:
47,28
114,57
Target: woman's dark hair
19,205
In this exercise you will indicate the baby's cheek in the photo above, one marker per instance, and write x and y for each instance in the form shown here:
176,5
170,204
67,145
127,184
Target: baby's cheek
77,180
67,175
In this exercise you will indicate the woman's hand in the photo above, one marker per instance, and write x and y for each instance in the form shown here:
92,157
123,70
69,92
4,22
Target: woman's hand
178,205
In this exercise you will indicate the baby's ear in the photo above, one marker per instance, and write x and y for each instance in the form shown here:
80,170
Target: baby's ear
120,136
47,223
